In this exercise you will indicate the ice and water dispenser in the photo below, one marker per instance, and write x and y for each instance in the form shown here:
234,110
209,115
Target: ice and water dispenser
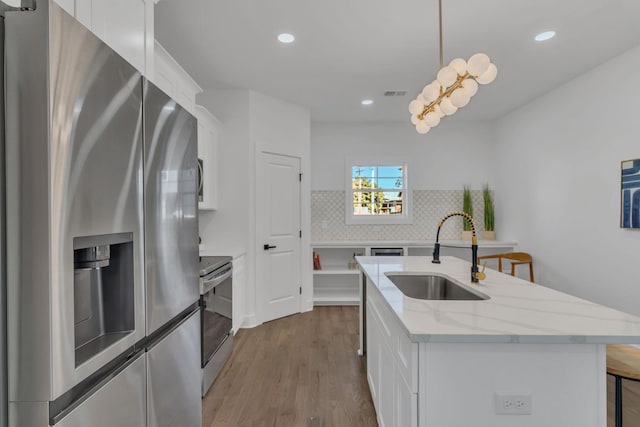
103,302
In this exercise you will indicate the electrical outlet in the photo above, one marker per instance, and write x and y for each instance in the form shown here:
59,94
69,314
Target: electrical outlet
513,403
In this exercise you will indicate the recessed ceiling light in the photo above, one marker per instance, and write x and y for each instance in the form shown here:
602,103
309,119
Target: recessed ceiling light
545,36
286,38
366,102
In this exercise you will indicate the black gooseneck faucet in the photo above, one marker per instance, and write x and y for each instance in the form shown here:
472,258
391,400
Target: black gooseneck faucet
476,275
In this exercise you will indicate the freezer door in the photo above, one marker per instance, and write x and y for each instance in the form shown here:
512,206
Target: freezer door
120,402
174,377
171,207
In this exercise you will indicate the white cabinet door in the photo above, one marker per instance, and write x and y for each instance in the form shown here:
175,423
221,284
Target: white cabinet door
208,159
389,360
125,25
379,364
238,293
387,387
119,23
406,403
373,356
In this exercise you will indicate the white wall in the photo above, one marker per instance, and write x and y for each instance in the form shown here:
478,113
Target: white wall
558,183
455,154
227,227
448,157
283,128
226,230
279,124
250,122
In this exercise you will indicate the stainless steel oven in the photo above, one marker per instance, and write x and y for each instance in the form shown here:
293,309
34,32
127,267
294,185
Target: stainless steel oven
216,302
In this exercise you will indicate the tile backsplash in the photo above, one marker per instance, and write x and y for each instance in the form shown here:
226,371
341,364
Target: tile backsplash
429,206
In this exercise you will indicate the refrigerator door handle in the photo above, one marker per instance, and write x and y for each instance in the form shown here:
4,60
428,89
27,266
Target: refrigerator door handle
200,179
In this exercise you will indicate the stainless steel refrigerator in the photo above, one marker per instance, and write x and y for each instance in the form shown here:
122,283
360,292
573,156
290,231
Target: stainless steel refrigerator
171,261
75,245
78,123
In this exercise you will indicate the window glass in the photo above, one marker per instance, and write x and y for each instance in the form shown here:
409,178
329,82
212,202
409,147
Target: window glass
378,191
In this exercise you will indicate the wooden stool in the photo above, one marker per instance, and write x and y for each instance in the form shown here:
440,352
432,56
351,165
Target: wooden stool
622,362
516,258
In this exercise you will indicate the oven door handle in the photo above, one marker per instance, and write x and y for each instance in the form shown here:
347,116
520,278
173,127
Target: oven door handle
210,283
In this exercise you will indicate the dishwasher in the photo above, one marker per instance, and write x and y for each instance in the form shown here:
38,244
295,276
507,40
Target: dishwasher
363,294
387,251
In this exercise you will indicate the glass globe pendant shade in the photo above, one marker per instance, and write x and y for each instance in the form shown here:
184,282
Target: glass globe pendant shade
432,119
459,98
431,92
488,76
460,65
447,76
470,87
422,127
453,88
447,107
478,64
415,107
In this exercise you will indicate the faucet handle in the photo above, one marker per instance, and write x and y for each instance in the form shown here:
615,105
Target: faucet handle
480,275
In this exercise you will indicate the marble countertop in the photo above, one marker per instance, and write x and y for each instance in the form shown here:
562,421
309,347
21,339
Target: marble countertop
517,311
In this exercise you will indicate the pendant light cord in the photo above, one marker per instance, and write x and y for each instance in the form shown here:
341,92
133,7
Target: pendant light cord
440,27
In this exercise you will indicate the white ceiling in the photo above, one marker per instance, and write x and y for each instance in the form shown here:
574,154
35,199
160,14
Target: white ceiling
347,50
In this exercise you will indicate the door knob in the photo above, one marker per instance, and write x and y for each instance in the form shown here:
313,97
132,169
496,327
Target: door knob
267,247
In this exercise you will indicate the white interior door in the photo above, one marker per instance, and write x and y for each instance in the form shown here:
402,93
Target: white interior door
278,232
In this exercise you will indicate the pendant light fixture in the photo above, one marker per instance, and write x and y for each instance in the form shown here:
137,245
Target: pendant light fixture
453,87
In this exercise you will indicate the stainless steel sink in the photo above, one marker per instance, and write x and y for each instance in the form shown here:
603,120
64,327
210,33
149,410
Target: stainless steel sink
433,287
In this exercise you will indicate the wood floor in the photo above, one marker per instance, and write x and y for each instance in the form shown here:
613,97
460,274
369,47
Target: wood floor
301,370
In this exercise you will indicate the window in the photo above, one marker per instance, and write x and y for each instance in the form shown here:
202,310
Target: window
377,193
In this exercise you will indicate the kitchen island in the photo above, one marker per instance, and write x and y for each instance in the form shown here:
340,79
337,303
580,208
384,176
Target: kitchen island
526,356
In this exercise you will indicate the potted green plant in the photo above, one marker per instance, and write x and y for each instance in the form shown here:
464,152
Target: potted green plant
467,207
489,231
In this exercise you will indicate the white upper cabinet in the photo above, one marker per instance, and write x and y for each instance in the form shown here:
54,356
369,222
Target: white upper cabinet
208,127
174,80
125,25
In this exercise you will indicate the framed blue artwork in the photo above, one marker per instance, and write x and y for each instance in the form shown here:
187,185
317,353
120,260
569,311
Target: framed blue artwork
630,187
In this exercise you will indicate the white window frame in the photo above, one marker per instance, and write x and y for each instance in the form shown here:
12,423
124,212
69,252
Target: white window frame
406,217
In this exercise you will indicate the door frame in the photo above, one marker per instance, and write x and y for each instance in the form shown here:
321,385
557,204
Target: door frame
306,299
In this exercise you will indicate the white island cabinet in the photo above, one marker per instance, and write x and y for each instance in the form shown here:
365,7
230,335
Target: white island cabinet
527,356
